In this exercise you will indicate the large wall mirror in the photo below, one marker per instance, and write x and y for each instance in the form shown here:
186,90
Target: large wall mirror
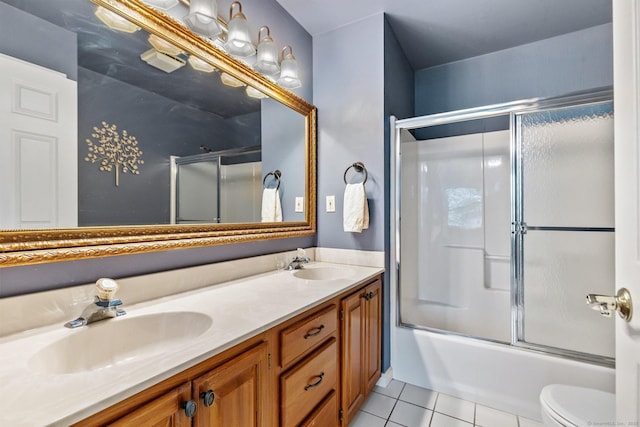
117,141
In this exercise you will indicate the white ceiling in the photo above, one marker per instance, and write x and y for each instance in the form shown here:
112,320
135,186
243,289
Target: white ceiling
433,32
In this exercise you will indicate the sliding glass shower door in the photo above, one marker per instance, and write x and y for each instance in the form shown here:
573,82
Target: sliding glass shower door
502,233
564,226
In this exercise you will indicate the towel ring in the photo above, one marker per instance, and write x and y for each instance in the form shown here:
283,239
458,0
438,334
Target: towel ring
359,167
276,174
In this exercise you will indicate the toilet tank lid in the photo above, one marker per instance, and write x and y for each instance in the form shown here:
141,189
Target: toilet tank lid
579,405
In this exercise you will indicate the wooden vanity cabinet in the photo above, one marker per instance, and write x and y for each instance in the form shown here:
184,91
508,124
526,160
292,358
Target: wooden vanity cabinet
238,382
166,410
314,370
234,394
361,314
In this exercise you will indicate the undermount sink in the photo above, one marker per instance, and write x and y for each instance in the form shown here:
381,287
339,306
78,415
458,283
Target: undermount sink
322,273
111,342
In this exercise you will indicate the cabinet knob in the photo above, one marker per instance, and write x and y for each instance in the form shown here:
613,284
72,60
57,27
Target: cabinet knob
208,397
316,384
190,407
368,296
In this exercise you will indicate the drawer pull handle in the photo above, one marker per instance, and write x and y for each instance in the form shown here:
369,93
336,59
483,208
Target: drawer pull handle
315,332
316,384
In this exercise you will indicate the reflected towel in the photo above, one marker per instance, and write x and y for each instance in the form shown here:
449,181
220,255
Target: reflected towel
356,208
271,208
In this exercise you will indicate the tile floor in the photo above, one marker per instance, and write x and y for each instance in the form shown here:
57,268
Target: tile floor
401,404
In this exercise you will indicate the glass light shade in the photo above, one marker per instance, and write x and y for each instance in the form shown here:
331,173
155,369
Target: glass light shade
238,37
267,60
203,17
115,21
255,93
289,77
162,4
200,65
229,80
161,45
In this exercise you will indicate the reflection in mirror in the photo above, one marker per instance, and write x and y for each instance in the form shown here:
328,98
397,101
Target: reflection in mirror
113,127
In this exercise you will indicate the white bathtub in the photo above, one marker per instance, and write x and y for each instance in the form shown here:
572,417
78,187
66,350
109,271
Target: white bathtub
494,375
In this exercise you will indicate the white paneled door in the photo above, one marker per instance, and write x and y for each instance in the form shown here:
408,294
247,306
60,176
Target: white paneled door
38,147
626,40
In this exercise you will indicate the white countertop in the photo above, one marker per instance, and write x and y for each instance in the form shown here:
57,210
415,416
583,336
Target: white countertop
239,309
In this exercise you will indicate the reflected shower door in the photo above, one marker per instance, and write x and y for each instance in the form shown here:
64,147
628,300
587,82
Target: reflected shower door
564,227
197,192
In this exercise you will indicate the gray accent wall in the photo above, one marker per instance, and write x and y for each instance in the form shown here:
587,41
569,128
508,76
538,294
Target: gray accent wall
37,41
163,128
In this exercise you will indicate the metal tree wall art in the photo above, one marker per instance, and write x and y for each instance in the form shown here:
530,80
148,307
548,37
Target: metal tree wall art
114,151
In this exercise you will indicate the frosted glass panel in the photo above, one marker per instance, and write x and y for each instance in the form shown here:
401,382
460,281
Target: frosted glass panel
567,157
560,269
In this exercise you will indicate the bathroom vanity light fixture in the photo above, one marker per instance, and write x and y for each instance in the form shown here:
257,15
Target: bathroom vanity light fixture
203,18
161,45
289,77
232,37
200,65
267,60
162,4
115,21
238,36
255,93
229,80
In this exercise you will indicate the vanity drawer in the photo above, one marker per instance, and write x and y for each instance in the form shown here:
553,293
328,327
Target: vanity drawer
307,334
325,415
308,383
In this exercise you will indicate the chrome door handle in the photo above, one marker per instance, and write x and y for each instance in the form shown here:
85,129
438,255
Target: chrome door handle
606,304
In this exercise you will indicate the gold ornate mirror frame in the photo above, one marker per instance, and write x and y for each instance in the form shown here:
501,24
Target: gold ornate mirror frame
23,247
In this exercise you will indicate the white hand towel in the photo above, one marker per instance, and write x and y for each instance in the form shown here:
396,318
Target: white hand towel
356,208
271,208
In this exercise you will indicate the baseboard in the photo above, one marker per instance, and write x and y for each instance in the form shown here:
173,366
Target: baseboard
385,378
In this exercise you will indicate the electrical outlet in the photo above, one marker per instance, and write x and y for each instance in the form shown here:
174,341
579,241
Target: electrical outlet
331,203
299,204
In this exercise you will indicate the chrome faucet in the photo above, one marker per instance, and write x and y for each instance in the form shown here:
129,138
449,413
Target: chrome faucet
296,263
105,305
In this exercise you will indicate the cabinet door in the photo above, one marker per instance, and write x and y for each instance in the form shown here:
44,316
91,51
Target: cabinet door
373,333
240,392
164,411
353,355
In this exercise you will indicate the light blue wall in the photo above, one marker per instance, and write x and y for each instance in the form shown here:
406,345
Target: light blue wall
572,62
398,101
348,91
283,148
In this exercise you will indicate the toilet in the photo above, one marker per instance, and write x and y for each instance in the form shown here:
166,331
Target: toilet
570,406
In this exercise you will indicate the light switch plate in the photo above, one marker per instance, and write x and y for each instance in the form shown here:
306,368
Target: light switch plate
299,204
331,203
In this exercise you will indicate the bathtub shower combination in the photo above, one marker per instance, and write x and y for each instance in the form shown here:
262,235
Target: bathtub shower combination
499,236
